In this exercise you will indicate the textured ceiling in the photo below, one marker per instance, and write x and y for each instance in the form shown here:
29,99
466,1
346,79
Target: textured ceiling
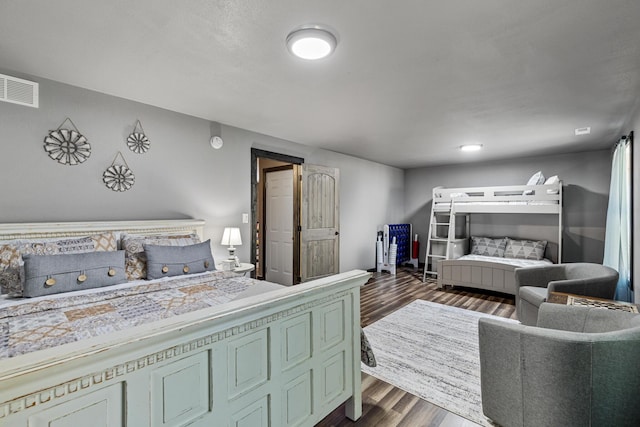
409,82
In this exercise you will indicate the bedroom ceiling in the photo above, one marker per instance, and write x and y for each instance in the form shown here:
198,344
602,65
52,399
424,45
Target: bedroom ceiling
409,82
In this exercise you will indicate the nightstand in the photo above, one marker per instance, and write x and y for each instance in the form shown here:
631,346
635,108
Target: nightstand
244,268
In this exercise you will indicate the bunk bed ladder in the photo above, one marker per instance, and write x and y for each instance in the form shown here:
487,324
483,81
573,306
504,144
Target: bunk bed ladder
432,256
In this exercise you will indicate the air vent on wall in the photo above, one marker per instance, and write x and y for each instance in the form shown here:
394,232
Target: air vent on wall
18,91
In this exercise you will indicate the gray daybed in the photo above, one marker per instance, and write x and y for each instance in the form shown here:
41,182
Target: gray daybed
483,272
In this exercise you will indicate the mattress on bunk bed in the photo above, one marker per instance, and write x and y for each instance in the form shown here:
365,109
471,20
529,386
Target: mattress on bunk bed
470,201
483,272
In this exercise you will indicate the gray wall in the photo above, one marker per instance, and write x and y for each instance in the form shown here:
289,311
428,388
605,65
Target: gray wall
179,177
586,179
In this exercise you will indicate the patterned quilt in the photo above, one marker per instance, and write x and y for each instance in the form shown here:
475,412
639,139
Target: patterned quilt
28,325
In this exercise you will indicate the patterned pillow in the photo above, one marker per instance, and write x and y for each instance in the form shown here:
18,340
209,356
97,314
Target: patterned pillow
366,352
10,260
487,246
135,258
525,249
11,252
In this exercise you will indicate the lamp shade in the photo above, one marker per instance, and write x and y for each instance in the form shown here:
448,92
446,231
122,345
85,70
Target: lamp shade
231,236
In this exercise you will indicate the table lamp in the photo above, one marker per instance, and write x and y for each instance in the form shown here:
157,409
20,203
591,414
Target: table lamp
231,237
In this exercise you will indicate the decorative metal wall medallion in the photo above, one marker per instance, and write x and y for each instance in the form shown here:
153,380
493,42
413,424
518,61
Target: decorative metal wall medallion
137,140
118,177
67,146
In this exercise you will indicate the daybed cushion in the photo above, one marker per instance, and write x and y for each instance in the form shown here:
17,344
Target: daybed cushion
525,249
487,246
165,261
54,274
136,259
11,253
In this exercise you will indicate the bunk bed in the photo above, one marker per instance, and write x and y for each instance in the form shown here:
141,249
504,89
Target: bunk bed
449,251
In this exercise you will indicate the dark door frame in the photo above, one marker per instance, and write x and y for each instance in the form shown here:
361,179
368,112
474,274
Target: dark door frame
255,154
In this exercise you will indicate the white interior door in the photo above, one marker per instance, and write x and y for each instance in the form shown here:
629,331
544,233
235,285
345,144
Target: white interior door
279,227
319,222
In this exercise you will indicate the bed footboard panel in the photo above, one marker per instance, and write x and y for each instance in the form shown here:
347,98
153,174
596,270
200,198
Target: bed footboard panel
477,274
287,360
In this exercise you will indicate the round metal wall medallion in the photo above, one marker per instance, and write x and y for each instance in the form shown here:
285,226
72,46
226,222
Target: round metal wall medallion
67,146
138,142
118,178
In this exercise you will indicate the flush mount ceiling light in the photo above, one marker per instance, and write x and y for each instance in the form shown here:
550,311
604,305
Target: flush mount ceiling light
583,131
470,147
311,42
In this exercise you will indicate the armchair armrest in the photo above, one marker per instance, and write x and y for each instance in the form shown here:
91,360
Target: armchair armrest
539,276
500,379
525,371
596,287
584,319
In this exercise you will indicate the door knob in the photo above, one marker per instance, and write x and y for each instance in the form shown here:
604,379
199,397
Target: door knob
337,232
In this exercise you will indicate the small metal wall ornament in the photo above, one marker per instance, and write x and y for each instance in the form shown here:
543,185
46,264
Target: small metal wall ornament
118,177
137,140
67,146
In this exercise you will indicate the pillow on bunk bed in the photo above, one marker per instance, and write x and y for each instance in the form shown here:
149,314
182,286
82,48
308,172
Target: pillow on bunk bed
536,179
525,249
554,180
487,246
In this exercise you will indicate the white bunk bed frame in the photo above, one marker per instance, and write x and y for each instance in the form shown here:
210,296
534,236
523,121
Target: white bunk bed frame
286,358
512,199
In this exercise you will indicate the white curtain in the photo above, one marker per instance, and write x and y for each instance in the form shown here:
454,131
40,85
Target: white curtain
617,243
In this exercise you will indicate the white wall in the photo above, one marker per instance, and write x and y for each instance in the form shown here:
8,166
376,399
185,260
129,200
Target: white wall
179,177
586,179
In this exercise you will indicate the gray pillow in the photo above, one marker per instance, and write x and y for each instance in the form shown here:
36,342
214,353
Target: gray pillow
165,261
53,274
487,246
525,249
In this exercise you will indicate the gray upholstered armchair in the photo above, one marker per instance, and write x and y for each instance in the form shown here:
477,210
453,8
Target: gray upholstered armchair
533,285
579,367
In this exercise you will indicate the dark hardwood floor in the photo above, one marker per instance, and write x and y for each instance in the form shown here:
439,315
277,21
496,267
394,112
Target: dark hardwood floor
383,404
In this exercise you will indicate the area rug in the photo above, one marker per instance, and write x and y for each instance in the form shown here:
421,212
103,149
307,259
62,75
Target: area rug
431,350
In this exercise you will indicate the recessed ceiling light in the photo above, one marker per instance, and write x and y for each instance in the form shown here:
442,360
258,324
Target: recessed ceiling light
470,147
311,42
583,131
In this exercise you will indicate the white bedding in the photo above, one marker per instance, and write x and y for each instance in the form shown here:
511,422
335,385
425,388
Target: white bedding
517,262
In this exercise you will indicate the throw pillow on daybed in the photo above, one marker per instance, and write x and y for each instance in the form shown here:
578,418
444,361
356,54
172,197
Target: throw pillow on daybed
165,261
135,257
525,249
487,246
11,253
54,274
